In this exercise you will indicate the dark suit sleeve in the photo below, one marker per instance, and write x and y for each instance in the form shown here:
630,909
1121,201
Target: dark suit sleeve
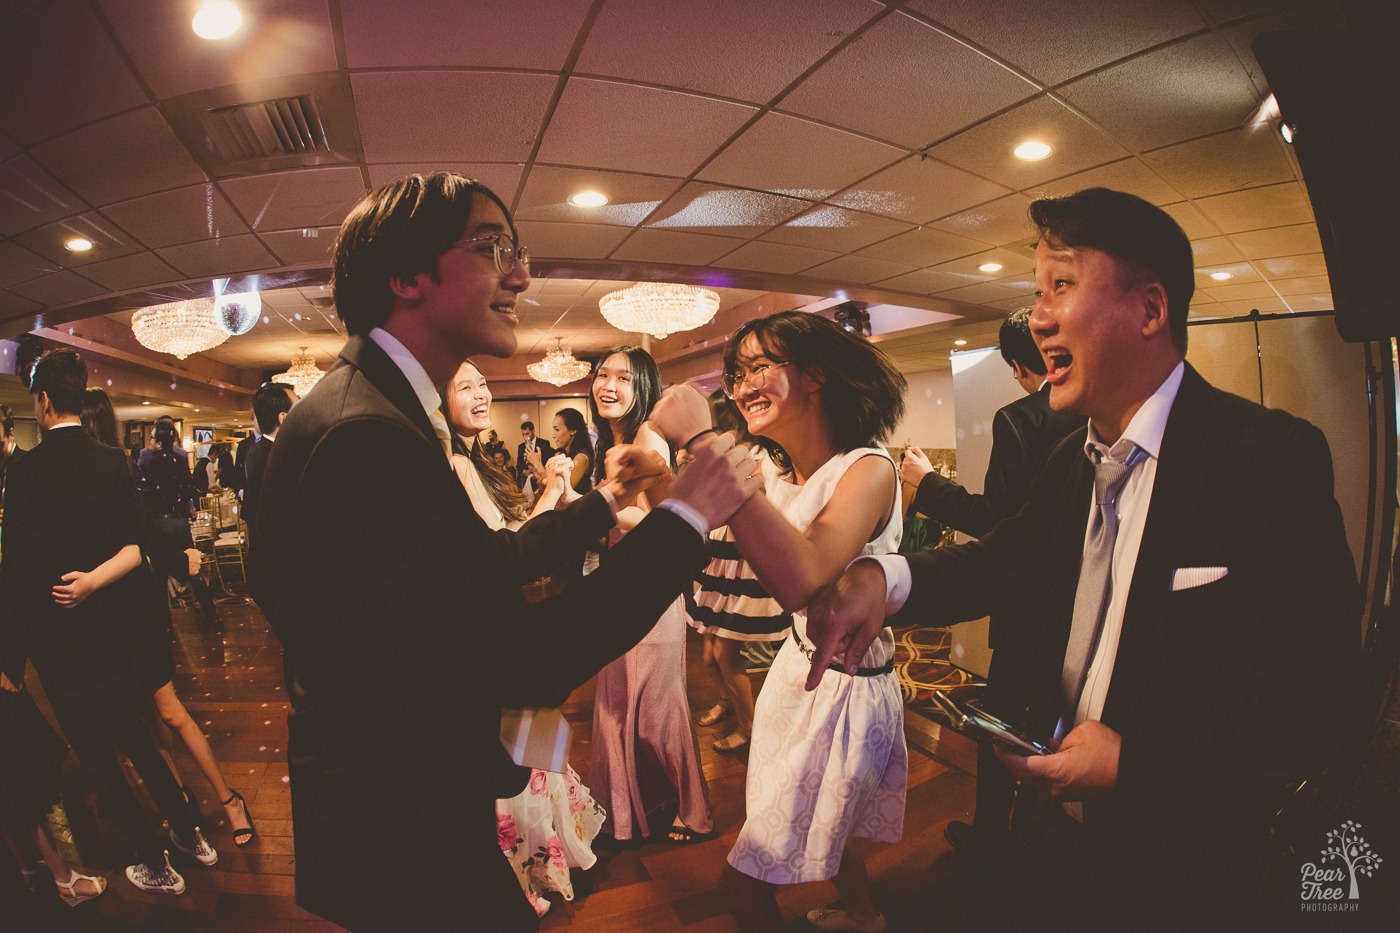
1007,486
555,541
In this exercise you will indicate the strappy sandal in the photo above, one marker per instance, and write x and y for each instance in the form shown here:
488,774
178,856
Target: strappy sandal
717,713
72,898
681,834
242,837
825,918
731,743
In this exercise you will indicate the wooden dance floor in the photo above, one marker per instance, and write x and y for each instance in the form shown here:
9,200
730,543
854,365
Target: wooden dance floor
232,686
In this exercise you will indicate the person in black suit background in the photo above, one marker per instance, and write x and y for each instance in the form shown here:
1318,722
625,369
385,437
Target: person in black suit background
1222,666
534,447
397,607
271,403
1022,434
73,504
10,451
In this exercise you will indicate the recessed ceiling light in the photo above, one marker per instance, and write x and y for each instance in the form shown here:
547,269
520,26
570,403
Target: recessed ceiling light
1032,150
588,199
1287,131
217,19
989,267
959,343
1221,276
145,403
77,244
196,411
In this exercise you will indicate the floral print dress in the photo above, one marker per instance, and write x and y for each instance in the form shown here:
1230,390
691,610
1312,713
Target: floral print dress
546,830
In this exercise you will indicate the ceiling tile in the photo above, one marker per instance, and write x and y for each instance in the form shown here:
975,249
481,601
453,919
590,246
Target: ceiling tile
59,288
987,148
1279,241
18,264
13,306
1270,305
109,240
830,227
213,258
1297,17
1176,93
919,189
859,270
631,198
295,248
981,293
1012,264
1215,251
775,257
51,87
925,247
7,148
541,33
1130,175
1232,291
278,39
1195,223
1320,302
907,83
307,198
1244,158
1256,208
777,154
128,273
722,47
120,158
417,116
29,197
1239,271
1288,267
180,216
15,10
1054,45
997,222
570,241
925,282
674,247
636,129
732,211
501,177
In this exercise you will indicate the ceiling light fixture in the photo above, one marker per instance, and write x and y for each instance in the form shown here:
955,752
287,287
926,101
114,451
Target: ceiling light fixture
1032,150
588,199
1221,276
145,403
77,244
659,309
217,19
303,374
179,328
959,343
558,368
989,267
1288,132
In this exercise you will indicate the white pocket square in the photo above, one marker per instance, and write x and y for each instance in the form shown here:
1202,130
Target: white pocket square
1186,578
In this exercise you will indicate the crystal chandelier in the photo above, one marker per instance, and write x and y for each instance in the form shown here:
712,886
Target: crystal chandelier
558,367
303,374
659,310
179,328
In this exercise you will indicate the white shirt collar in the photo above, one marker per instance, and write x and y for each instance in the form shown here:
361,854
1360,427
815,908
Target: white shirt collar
64,424
413,371
1147,426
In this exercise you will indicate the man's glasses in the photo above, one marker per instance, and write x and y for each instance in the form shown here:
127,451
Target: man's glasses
734,382
504,250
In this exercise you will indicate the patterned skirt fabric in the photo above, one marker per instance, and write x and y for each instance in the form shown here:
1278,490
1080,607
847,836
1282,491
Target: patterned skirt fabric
546,830
730,602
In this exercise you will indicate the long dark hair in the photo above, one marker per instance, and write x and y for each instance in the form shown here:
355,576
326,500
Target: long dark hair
98,417
646,392
507,496
581,444
862,392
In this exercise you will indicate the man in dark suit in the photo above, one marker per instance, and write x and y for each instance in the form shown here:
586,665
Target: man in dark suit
1197,660
71,533
530,444
10,451
1022,434
271,403
400,613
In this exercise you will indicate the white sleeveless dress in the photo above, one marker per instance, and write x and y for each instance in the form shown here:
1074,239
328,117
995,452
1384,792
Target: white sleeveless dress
829,764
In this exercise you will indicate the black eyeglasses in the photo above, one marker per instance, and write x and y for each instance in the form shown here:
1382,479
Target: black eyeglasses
755,377
503,250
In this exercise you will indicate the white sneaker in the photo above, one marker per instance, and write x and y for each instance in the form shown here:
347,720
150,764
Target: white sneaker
201,850
158,881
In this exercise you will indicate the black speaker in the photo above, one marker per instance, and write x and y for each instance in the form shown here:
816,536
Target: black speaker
1336,97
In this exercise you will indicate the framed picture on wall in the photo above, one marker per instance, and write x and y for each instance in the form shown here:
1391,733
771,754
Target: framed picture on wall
204,435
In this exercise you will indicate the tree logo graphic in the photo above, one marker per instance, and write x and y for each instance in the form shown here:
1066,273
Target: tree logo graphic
1335,887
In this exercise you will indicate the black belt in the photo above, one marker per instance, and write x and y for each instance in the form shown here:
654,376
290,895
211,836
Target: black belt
837,665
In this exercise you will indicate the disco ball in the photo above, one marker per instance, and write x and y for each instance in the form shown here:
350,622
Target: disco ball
237,313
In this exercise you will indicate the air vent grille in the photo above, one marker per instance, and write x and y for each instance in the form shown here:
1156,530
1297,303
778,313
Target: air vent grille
266,129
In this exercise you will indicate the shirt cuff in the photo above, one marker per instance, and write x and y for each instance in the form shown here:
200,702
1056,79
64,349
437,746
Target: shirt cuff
897,580
692,518
609,498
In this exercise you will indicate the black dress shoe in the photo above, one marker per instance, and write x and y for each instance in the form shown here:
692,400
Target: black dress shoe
967,839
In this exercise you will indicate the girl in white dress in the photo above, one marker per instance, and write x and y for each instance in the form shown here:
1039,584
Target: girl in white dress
826,765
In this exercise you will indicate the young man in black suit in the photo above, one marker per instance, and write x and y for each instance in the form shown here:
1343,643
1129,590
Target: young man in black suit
1022,434
271,403
73,505
1194,663
401,615
529,443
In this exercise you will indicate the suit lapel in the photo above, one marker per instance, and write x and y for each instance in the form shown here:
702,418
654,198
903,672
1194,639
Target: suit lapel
367,356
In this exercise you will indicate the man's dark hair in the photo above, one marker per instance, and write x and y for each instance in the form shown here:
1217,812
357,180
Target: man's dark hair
1017,344
62,375
862,391
164,433
7,420
646,392
399,231
1131,230
271,400
527,425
